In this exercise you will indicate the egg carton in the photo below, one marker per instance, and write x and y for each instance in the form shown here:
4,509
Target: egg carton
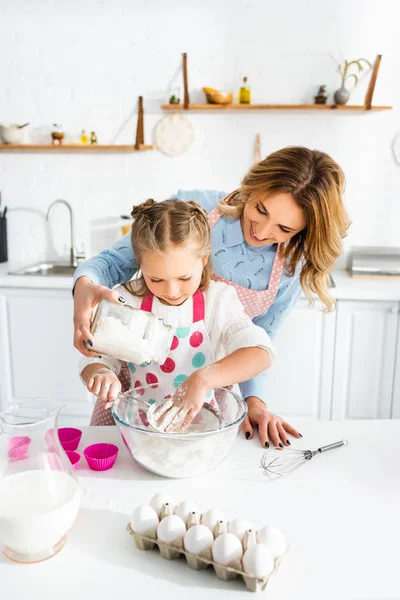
204,560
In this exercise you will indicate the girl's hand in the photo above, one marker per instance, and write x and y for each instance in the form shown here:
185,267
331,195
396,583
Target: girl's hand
187,401
86,295
271,428
103,383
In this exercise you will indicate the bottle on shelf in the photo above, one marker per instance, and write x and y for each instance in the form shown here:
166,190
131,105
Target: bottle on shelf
244,93
93,137
84,137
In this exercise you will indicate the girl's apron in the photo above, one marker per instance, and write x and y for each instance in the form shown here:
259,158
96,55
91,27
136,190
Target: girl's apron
255,303
190,350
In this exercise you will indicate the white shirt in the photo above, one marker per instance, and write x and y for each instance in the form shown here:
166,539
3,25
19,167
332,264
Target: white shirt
228,326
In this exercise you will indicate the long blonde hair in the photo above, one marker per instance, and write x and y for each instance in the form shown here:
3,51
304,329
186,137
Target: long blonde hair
316,183
159,225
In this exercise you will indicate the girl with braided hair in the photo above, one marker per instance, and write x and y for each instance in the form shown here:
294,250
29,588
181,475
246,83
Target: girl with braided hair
216,344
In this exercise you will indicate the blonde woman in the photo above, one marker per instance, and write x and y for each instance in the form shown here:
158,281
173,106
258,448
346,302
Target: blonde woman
276,235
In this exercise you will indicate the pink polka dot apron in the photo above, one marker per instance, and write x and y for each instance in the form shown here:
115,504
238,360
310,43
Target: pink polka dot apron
255,303
190,350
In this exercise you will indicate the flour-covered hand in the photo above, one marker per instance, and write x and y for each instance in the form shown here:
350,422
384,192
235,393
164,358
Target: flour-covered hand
271,428
102,382
178,412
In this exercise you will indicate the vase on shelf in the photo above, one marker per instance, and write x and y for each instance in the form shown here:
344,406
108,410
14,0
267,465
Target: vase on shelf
342,95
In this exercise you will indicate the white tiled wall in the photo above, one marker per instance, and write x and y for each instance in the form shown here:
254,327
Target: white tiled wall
82,63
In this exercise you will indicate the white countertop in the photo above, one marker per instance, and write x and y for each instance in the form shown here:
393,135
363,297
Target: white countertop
346,288
340,513
55,282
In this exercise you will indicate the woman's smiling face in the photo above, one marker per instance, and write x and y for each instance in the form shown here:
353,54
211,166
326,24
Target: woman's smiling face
271,220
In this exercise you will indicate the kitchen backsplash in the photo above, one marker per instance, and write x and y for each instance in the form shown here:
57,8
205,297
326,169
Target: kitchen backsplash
85,82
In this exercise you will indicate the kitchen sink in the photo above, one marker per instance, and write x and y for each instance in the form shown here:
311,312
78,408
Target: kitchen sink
46,269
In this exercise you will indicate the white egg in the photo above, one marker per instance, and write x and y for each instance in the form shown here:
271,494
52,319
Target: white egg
144,520
211,517
184,508
258,561
158,501
197,539
274,539
239,527
171,529
226,548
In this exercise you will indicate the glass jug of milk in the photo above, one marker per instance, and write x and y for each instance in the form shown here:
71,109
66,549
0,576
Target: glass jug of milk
39,492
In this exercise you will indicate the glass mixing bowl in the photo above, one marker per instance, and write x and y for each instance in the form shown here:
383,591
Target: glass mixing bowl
203,446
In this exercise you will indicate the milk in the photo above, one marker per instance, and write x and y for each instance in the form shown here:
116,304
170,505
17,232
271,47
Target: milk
37,508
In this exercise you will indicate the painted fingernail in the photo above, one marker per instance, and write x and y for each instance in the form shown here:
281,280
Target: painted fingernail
281,445
287,441
98,356
121,299
300,435
266,445
247,435
89,343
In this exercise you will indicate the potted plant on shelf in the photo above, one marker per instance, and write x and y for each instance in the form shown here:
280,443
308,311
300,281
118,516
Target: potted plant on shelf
342,94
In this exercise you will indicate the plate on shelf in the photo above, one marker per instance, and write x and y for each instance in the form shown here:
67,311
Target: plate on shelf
174,134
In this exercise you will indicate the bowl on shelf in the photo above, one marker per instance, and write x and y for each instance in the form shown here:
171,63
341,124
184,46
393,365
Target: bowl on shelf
11,133
216,97
179,455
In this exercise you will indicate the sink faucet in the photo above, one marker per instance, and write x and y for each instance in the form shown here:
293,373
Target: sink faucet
73,256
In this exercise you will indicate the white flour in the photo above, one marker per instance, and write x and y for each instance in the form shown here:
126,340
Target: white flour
126,342
37,508
180,457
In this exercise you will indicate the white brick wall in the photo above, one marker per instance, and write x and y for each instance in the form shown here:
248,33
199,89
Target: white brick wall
84,62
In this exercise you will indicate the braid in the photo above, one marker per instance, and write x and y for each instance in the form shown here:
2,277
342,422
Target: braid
142,210
198,212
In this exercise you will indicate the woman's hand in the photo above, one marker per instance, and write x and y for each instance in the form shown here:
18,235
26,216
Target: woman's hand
271,429
86,295
102,382
187,401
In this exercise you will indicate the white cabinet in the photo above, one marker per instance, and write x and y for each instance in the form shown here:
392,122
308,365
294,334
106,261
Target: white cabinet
340,365
396,387
365,359
36,353
300,383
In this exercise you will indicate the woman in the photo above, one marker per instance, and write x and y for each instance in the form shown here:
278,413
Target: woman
278,234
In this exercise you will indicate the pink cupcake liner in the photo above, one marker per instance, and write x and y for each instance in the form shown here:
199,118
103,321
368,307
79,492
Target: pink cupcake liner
74,458
69,438
18,446
101,457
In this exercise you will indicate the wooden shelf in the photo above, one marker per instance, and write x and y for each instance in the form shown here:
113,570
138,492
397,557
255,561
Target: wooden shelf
73,148
344,107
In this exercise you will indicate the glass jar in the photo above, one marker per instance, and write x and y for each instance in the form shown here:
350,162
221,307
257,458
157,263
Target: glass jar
130,334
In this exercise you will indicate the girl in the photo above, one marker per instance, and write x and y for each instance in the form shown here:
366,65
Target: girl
171,243
288,212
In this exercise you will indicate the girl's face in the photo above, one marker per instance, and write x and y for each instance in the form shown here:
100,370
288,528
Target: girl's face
271,220
175,275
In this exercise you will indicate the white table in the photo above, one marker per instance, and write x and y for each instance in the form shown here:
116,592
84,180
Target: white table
340,513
